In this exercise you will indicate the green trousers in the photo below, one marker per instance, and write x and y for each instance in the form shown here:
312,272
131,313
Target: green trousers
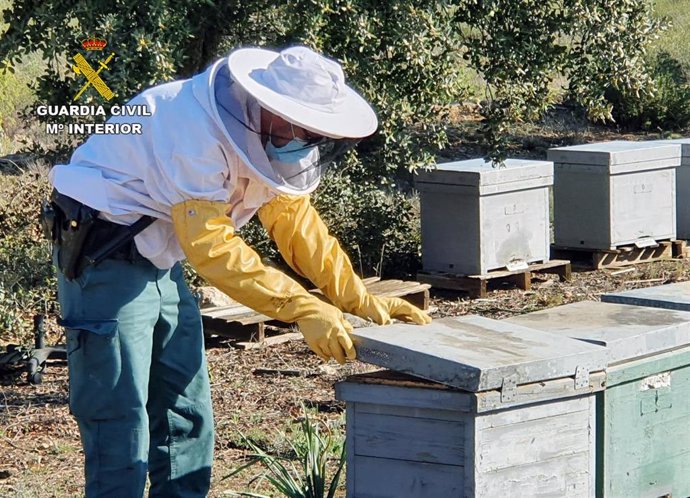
138,380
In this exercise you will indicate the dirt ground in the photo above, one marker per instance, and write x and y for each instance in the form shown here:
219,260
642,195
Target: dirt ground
39,443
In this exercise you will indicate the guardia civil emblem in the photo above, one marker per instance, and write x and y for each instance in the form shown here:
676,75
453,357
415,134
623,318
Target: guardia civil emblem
92,75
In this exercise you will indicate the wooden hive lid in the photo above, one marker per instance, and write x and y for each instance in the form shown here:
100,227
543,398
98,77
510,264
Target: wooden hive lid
628,332
618,156
475,353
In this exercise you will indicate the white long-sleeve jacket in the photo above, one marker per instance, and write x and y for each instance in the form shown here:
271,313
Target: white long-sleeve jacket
193,146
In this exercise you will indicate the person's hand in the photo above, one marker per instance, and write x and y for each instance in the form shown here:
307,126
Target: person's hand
383,309
327,334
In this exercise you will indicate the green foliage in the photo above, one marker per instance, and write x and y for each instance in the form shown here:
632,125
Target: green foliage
403,57
378,228
519,47
153,42
27,279
313,451
667,108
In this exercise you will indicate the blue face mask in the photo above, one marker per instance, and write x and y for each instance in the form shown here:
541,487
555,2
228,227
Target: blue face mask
292,152
295,161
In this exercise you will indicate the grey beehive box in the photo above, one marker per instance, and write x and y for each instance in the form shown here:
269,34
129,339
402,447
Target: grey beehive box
682,188
616,193
643,415
476,218
506,411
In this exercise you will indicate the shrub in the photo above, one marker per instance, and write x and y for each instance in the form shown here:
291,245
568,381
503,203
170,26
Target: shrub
667,108
27,280
377,227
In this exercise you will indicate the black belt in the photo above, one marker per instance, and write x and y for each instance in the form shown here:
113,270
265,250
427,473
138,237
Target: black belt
102,233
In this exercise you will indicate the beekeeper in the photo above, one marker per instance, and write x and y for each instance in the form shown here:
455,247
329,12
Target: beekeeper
249,135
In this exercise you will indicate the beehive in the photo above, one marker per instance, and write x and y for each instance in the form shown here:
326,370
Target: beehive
504,411
682,188
476,218
644,414
612,194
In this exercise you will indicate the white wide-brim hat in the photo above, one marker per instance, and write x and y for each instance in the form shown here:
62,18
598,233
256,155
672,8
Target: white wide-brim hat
304,88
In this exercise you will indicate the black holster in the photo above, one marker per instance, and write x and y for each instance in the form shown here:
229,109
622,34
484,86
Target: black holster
82,238
67,223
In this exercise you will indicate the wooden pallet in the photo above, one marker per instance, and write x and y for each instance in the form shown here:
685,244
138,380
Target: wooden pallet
236,321
477,285
596,259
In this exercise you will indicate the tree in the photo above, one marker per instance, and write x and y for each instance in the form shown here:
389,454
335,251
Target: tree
520,46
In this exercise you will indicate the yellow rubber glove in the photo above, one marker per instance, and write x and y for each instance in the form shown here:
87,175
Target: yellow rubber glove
207,236
305,244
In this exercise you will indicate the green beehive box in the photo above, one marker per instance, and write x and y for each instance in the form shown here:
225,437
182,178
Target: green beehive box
643,416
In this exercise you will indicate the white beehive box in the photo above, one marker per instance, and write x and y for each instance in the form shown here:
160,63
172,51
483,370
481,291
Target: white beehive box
504,411
611,194
644,413
477,218
682,188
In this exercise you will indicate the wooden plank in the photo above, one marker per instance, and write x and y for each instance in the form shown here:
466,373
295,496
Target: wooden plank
523,280
416,439
561,477
413,292
440,399
476,285
669,296
533,441
237,321
269,341
375,408
500,418
233,330
540,391
615,258
387,478
645,441
680,249
645,367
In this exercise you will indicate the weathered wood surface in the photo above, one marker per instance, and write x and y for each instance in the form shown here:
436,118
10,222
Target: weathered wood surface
597,259
476,218
538,439
475,353
643,429
478,285
386,478
648,366
543,449
627,331
540,391
670,296
438,399
394,393
418,439
270,341
644,413
568,476
240,322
